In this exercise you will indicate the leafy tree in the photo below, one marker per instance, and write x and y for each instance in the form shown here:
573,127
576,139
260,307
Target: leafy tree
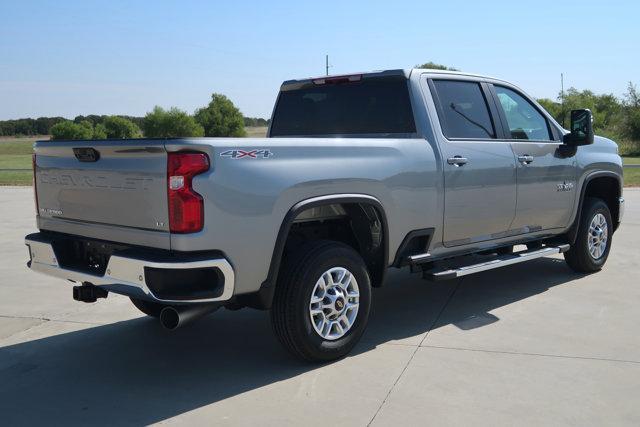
43,124
632,98
433,66
221,117
87,125
552,107
70,130
99,131
255,121
25,127
120,128
631,115
606,109
171,123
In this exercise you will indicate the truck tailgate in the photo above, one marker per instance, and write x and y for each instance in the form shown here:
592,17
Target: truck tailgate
102,189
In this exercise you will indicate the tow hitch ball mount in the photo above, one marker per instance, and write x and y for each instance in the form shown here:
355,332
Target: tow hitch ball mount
88,292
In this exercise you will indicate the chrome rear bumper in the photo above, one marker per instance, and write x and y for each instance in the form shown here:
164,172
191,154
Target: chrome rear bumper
126,275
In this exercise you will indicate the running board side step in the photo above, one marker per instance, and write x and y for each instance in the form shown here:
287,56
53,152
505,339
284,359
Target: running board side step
499,261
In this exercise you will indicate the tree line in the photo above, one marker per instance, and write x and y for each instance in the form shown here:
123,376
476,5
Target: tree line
219,118
618,119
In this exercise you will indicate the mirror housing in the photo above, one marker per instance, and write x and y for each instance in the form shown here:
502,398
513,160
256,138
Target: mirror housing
581,128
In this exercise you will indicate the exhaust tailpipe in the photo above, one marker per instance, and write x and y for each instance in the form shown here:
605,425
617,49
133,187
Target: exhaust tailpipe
172,318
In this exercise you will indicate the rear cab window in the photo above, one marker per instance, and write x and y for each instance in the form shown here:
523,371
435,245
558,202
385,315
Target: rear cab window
462,109
351,106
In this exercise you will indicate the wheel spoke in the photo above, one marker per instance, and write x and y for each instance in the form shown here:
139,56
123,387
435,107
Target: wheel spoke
328,279
316,310
345,321
598,234
351,306
329,321
345,280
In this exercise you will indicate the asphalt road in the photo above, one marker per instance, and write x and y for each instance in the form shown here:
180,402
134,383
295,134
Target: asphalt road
526,345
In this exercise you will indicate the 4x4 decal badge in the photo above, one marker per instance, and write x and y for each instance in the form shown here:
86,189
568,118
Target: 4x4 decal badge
242,154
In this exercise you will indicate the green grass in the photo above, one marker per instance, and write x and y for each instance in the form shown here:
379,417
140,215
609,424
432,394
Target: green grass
631,160
256,131
15,161
10,145
632,177
15,153
16,178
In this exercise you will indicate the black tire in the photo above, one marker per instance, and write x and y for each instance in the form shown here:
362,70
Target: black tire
579,257
290,316
149,308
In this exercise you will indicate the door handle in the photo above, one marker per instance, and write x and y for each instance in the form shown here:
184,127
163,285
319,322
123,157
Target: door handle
457,161
525,159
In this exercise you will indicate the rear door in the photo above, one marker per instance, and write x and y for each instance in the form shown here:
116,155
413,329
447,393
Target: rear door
112,190
479,170
546,176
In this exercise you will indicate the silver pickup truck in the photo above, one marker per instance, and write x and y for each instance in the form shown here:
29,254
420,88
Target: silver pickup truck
440,172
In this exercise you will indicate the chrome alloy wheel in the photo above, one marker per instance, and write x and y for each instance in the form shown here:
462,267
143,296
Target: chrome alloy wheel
334,303
598,236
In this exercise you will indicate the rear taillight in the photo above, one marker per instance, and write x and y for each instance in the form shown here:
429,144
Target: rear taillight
186,207
35,187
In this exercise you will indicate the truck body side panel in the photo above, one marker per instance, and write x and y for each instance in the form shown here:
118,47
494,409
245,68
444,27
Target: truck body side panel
246,199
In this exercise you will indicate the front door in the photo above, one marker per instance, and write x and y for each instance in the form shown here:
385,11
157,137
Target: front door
479,171
546,176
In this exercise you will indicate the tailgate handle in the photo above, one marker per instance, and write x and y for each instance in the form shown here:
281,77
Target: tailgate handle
86,154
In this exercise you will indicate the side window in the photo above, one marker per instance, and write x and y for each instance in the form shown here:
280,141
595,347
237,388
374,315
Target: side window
463,110
523,119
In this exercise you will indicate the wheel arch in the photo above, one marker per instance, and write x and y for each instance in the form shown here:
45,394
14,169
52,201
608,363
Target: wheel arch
264,297
605,185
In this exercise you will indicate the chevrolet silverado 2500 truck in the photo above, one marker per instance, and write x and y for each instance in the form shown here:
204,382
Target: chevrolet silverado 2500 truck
437,171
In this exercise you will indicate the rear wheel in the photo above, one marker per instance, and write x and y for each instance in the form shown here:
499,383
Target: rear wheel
149,308
593,241
322,300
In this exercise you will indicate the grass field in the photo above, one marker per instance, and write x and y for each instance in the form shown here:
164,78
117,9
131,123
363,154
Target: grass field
15,153
257,131
632,177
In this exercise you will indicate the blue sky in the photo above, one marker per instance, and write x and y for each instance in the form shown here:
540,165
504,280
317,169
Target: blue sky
123,57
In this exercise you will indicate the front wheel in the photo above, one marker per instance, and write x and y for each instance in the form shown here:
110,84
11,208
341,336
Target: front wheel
322,301
593,241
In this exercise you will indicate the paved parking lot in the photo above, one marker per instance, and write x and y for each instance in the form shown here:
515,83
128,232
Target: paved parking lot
526,345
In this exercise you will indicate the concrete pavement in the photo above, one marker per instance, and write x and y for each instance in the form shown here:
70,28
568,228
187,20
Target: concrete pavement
529,344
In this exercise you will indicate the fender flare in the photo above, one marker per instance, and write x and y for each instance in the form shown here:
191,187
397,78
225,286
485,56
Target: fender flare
572,233
268,286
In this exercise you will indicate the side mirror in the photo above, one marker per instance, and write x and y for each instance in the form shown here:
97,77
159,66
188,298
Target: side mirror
581,128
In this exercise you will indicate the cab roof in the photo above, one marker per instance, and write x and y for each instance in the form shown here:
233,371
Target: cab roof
398,73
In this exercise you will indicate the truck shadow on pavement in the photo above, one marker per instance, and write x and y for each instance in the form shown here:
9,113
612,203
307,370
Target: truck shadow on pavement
133,372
